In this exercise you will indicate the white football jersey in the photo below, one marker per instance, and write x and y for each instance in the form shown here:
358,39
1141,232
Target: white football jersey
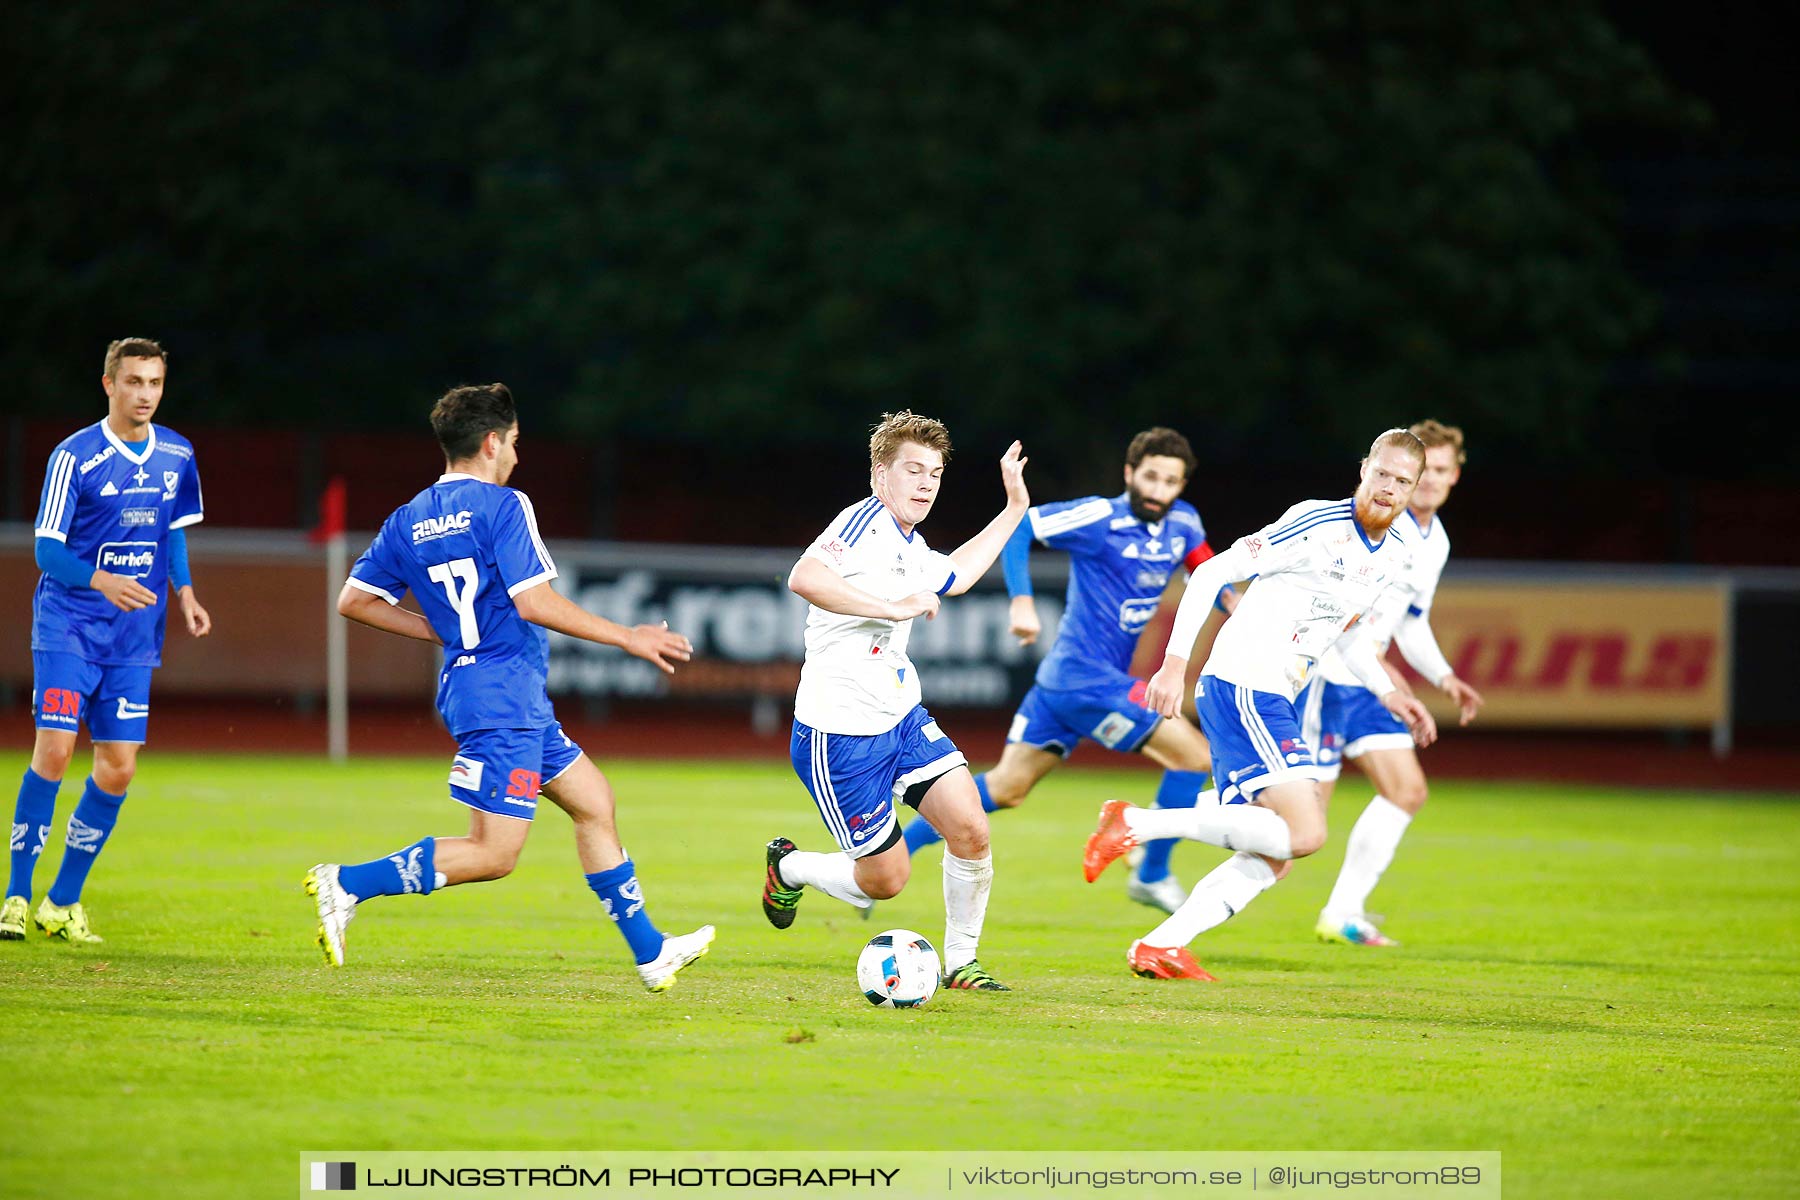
1317,575
857,678
1406,605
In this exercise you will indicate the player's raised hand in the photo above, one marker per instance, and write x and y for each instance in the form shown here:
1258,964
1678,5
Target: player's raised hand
659,644
1467,698
1012,474
199,622
125,594
1164,693
919,604
1413,711
1024,620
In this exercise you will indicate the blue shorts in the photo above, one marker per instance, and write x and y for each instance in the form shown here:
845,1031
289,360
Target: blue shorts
1111,713
859,781
67,689
499,771
1345,720
1255,736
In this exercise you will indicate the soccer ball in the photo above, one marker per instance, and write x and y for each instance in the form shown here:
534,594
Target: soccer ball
898,969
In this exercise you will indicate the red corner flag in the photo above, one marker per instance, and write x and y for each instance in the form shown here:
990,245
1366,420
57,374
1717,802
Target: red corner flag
331,513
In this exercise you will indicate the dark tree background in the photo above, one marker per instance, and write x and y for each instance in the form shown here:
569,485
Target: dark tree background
717,228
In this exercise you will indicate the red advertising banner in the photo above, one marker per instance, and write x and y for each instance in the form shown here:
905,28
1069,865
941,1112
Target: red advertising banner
1588,654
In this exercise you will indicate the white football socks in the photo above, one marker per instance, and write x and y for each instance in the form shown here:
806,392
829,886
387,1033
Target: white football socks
1223,894
834,874
967,882
1373,839
1233,826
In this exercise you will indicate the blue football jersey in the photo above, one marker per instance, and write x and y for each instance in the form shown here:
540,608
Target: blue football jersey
465,548
113,507
1118,568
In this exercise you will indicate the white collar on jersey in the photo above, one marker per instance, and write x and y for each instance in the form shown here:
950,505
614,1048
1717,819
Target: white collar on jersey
118,443
447,476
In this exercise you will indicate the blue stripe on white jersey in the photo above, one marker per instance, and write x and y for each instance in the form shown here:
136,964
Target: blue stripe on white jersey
1334,506
864,518
1327,519
863,510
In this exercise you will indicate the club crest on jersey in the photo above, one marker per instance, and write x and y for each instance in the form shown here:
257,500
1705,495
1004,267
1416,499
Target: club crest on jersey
170,479
432,528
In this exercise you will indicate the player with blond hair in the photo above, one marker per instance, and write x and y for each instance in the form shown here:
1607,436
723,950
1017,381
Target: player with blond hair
1342,722
1319,571
863,744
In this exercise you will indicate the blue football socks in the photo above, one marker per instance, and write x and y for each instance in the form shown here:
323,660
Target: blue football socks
1179,789
89,826
412,870
623,899
32,817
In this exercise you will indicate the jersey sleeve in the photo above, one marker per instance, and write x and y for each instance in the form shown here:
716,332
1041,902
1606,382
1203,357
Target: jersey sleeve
519,551
1420,608
1015,561
1284,544
189,507
56,508
1359,653
378,571
940,572
1199,549
1071,524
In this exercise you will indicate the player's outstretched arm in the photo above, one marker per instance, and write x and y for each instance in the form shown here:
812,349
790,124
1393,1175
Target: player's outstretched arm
976,555
544,605
366,608
820,586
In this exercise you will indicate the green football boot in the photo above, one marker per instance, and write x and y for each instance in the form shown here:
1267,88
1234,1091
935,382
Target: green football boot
15,914
70,924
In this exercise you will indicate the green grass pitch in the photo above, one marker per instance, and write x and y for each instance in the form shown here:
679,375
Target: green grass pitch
1599,984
